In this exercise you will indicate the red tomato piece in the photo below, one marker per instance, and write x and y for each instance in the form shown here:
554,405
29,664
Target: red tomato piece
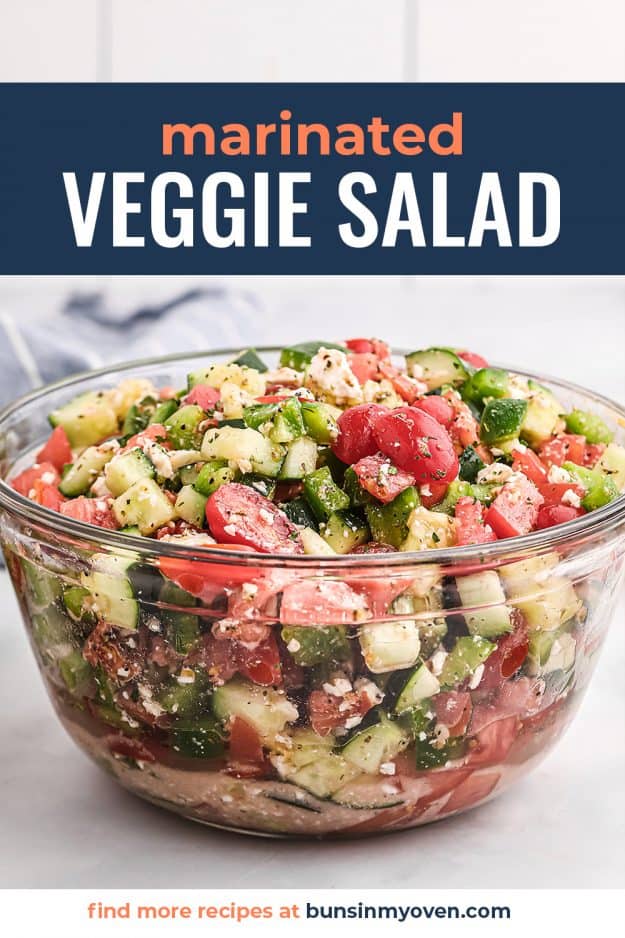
237,514
512,698
453,709
472,358
57,450
155,432
205,579
369,346
493,743
327,711
565,447
44,472
47,495
244,742
592,453
554,492
417,443
364,365
262,663
272,398
515,510
356,439
470,526
437,407
507,658
120,745
476,788
204,396
433,493
331,602
378,476
90,511
552,515
527,462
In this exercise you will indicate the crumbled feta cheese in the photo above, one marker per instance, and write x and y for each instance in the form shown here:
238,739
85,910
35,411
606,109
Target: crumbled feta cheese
267,516
230,530
557,474
285,376
186,676
48,478
330,375
437,661
338,687
293,646
153,624
351,722
477,677
497,473
387,768
571,498
158,457
249,590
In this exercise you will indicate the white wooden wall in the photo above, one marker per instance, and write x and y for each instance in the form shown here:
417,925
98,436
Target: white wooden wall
359,40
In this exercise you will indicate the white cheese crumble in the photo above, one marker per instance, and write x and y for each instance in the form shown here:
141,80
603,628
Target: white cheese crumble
387,768
477,677
293,646
437,661
497,473
558,474
338,687
571,498
329,374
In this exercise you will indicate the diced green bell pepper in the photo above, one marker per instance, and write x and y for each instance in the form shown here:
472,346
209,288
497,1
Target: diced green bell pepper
250,359
198,739
600,488
319,422
469,652
323,495
309,647
213,474
589,425
183,427
344,531
299,512
502,420
389,523
485,383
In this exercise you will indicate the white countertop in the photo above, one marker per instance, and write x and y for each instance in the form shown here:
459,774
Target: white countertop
65,824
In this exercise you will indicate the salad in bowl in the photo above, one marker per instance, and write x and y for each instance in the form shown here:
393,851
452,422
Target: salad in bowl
315,590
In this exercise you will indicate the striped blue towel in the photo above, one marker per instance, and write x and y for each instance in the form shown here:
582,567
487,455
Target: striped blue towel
90,333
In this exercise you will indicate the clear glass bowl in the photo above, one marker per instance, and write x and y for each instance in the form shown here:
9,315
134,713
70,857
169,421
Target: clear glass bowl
147,704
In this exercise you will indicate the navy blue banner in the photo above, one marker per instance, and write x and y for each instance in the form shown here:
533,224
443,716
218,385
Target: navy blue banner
312,179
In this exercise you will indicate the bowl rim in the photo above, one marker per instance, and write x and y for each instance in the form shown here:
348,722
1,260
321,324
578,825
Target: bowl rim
597,521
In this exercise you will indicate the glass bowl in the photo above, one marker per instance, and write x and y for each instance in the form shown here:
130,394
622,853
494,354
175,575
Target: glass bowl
193,676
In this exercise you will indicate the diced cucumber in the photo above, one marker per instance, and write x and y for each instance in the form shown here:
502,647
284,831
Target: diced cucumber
113,595
325,775
188,475
80,475
145,505
250,359
266,487
429,530
469,652
88,419
44,588
309,646
123,471
525,577
75,671
365,792
389,523
186,699
323,494
298,511
561,655
542,416
370,747
429,754
589,425
74,600
390,646
612,462
298,356
411,687
485,383
344,531
247,448
183,427
53,632
314,544
267,709
502,420
470,465
181,627
320,421
601,489
436,367
300,459
214,473
256,416
199,738
191,506
164,410
548,605
484,593
288,423
458,489
138,416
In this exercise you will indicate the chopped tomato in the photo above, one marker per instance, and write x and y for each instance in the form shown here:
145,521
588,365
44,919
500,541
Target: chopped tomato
433,493
333,602
470,526
356,439
408,388
515,509
364,365
378,476
508,657
57,450
565,447
204,396
379,592
553,493
127,748
512,698
272,398
43,471
464,428
472,358
369,346
552,515
493,743
453,709
155,432
477,787
90,511
205,579
438,407
244,742
47,495
593,453
237,514
327,711
417,443
527,462
262,663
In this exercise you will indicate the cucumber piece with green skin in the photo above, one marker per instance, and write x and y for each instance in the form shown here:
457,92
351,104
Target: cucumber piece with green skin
301,355
243,446
75,672
214,473
44,588
164,411
458,489
320,421
371,746
600,488
182,628
323,494
542,416
79,476
469,652
436,367
187,699
492,617
131,529
470,465
344,532
409,688
250,359
502,419
300,460
429,756
325,775
111,590
589,425
486,382
183,427
188,475
53,632
358,496
75,600
145,505
390,646
312,646
190,505
123,471
266,487
389,523
267,709
298,511
138,417
87,419
199,738
612,463
365,793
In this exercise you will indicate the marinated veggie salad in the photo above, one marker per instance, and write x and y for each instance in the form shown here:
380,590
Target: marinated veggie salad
284,701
